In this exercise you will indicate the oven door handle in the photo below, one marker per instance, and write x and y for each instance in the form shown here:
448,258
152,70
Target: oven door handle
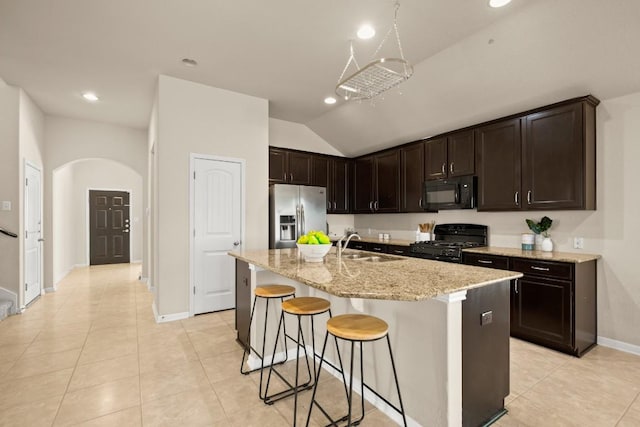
457,195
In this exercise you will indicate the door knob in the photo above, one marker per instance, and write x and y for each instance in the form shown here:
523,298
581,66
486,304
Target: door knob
236,243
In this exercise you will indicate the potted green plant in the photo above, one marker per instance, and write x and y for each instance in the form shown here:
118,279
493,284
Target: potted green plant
541,229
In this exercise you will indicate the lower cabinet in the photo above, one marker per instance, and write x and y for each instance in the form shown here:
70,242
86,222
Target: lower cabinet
243,301
553,304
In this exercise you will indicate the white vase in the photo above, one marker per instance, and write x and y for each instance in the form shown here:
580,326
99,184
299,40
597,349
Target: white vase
547,244
539,239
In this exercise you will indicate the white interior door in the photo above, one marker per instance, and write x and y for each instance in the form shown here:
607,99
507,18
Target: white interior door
217,219
33,233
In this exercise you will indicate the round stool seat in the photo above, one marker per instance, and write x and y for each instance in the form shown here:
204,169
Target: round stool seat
357,327
274,291
305,305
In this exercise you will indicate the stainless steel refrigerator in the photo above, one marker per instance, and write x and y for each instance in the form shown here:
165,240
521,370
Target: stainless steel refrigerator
295,210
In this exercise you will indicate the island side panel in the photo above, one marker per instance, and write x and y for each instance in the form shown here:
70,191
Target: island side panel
485,353
243,301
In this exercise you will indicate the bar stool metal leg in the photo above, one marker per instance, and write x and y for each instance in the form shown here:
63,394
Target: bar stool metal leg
275,291
355,328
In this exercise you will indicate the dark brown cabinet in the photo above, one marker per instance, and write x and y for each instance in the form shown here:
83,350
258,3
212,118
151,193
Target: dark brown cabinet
498,153
558,162
376,185
450,156
543,159
243,301
412,166
289,167
553,304
332,173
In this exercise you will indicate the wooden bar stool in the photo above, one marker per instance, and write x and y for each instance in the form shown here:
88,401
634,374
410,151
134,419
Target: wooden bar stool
356,328
266,292
299,307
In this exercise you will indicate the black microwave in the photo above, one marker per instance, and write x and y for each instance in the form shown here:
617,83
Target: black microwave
452,193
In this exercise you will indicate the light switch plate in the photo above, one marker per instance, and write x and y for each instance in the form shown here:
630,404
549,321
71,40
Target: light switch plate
578,243
6,205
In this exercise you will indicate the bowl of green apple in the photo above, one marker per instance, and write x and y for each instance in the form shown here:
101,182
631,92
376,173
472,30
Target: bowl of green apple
314,245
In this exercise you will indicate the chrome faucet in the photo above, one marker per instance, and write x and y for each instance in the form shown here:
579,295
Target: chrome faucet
341,248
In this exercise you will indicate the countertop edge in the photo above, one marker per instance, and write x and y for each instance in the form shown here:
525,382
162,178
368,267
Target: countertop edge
570,257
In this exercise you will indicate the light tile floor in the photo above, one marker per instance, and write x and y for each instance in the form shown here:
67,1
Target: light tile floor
91,354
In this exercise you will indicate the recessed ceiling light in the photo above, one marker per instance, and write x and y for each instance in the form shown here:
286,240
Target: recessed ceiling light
366,32
329,100
498,3
188,62
90,96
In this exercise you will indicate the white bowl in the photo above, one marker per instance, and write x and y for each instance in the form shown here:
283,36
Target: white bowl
314,253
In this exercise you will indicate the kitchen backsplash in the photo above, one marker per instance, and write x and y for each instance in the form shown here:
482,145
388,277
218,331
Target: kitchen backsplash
505,228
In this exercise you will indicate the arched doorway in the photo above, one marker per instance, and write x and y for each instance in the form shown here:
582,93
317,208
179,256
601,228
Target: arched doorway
71,184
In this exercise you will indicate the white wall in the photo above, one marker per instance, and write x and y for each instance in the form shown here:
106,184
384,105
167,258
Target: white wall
69,140
612,230
297,136
64,223
194,118
9,188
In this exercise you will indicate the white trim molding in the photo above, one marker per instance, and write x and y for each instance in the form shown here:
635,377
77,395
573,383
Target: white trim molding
163,318
619,345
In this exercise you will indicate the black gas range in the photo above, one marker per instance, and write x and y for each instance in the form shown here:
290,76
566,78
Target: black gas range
450,240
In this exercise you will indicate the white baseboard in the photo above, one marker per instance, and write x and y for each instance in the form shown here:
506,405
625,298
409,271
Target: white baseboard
619,345
50,290
136,261
79,266
162,318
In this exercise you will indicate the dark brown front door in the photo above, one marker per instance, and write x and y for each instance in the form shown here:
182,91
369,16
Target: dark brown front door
109,227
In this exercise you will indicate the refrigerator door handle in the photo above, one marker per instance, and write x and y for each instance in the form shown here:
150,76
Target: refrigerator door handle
302,220
298,222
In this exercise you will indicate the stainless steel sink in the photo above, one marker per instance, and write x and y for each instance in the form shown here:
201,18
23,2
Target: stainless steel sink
370,258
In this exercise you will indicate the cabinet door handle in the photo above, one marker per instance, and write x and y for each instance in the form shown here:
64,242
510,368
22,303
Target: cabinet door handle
371,205
328,205
375,205
529,197
335,205
246,281
290,177
420,203
515,287
398,251
451,167
517,197
284,176
444,168
484,261
534,267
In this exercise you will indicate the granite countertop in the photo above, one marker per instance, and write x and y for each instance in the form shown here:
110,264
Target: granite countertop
403,279
572,257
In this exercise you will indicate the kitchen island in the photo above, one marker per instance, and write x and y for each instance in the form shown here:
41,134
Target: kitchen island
443,318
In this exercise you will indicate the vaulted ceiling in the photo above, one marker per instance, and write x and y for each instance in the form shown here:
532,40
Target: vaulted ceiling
472,62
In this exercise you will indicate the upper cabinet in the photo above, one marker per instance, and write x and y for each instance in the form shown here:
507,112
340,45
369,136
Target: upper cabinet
450,156
412,167
289,167
376,183
558,157
498,152
332,173
543,160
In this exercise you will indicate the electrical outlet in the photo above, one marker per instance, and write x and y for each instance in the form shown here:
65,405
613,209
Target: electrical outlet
6,205
578,243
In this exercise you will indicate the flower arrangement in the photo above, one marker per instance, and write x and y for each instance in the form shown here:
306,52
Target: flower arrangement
540,227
